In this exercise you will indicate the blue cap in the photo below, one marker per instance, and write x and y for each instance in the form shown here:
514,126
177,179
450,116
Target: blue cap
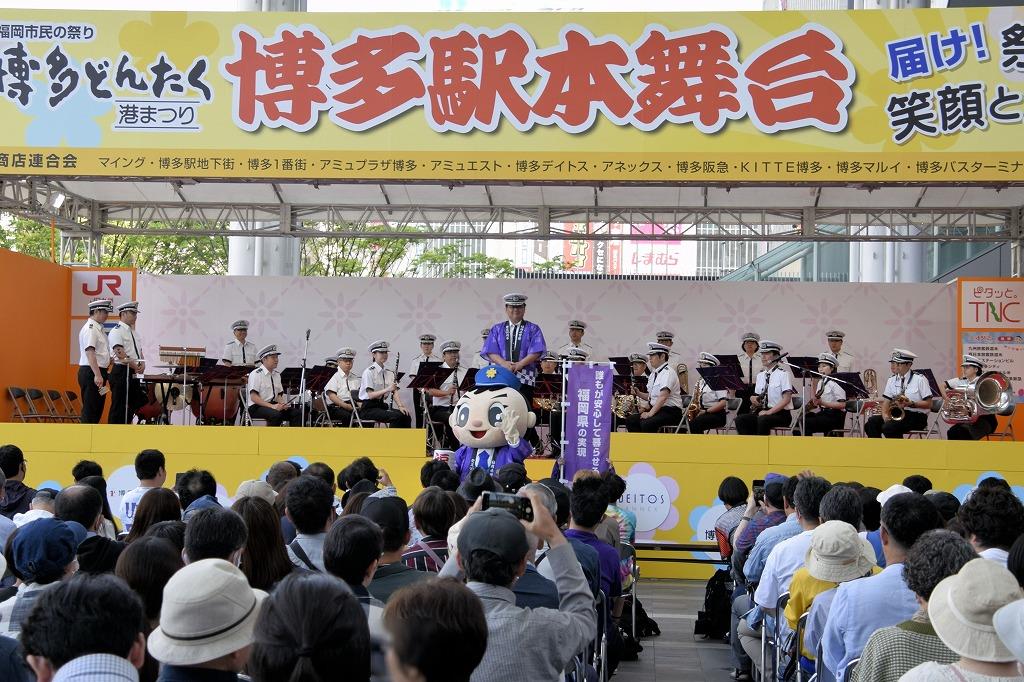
42,549
78,530
495,375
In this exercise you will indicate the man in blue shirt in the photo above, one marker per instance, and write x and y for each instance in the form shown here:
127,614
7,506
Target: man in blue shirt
862,606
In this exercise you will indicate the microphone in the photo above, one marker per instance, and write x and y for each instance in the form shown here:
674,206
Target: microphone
307,335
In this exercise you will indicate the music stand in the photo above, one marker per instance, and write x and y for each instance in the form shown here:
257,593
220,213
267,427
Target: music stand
429,375
729,360
622,383
721,378
621,364
803,366
549,387
468,381
852,380
930,376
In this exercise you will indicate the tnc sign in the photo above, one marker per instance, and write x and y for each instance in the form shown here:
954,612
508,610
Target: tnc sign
992,304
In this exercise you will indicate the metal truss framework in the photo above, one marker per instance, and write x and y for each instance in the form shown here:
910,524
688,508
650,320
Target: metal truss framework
85,221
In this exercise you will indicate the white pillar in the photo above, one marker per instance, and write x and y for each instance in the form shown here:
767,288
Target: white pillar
910,256
872,256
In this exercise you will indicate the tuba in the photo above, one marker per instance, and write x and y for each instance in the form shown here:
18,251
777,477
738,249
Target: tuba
872,406
991,393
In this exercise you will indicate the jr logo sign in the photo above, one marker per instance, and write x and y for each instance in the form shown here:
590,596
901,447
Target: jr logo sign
109,283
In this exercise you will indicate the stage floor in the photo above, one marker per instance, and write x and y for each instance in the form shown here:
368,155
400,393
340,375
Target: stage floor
672,479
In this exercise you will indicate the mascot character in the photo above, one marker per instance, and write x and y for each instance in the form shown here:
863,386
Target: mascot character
490,422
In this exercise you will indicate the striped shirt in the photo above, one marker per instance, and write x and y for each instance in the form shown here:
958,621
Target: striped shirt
893,651
426,554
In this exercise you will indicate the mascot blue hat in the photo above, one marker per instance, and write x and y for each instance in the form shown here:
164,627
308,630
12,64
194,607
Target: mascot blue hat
495,375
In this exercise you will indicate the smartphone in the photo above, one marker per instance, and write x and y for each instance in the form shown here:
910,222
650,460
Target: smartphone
520,507
758,487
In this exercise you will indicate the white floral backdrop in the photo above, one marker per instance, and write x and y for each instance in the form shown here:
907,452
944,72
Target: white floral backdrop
622,315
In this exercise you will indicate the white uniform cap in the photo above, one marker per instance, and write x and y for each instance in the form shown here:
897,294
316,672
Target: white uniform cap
828,358
239,324
577,324
973,362
901,355
129,307
379,347
637,357
654,348
750,336
427,338
331,361
346,353
451,347
769,347
835,335
710,359
485,332
101,304
515,300
267,351
549,356
663,335
577,354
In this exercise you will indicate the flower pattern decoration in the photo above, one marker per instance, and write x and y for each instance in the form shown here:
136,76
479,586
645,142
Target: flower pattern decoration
73,122
171,33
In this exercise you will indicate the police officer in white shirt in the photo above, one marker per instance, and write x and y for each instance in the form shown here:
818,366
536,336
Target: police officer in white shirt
906,391
378,384
835,345
266,392
426,355
443,399
240,352
480,362
577,329
665,338
94,361
773,393
826,408
713,404
749,343
971,368
339,388
331,362
126,393
663,393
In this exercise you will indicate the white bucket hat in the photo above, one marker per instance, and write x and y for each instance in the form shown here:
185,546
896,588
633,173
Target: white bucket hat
838,554
208,611
962,608
1009,624
253,488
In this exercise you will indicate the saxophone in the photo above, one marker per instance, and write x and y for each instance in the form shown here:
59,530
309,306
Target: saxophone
694,408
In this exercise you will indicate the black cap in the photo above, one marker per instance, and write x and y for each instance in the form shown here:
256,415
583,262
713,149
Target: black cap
390,513
361,486
476,483
496,531
512,477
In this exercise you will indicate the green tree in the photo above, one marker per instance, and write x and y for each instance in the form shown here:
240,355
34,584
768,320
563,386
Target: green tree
26,236
449,261
357,257
556,264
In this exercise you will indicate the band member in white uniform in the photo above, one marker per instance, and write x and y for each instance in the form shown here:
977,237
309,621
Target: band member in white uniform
773,393
665,338
550,416
577,329
266,391
426,355
479,362
918,403
379,385
835,345
663,393
126,393
826,407
94,361
749,343
240,352
713,404
340,387
972,368
443,399
331,362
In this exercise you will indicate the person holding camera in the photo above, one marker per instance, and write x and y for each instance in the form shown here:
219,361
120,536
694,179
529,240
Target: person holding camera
492,553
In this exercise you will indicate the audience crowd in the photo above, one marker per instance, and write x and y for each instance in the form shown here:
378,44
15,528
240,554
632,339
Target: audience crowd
855,583
312,575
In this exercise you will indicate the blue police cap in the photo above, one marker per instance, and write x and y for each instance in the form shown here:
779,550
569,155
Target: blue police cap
495,375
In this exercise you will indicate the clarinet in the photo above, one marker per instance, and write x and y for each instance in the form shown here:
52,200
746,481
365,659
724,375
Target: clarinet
762,402
391,394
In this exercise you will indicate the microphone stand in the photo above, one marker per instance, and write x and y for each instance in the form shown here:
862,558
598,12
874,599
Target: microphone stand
302,382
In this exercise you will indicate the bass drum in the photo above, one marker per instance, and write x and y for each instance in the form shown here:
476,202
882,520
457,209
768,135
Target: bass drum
219,407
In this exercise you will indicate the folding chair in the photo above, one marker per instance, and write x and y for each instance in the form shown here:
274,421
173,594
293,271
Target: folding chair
687,399
35,397
794,411
798,640
600,655
933,422
72,404
780,648
852,408
58,410
1005,434
731,407
848,671
23,406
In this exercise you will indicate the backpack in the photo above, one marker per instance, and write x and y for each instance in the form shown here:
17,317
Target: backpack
301,555
713,622
645,625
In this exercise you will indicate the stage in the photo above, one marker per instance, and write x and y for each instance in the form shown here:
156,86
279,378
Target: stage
672,479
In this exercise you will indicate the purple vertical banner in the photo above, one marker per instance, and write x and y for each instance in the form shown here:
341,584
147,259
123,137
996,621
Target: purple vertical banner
588,418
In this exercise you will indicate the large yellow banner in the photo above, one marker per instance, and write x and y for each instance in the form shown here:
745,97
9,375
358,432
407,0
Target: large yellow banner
909,95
